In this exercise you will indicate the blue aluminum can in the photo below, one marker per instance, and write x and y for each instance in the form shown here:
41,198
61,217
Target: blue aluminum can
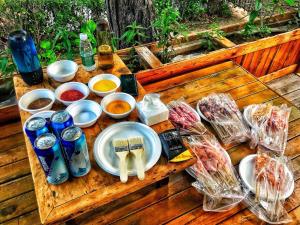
35,127
49,153
59,121
76,151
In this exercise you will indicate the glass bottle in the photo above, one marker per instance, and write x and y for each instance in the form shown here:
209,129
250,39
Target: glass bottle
105,52
25,57
86,53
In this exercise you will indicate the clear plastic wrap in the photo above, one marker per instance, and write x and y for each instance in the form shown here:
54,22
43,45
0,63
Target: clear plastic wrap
215,175
181,114
269,126
221,111
273,184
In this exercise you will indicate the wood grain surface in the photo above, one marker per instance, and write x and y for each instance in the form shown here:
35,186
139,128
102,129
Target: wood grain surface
77,196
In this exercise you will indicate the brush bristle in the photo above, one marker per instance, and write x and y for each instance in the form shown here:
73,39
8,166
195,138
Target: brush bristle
136,143
120,145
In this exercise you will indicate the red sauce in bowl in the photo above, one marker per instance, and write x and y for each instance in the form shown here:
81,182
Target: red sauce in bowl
71,95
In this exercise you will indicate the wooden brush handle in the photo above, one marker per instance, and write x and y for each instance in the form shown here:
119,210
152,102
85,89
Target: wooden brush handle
123,168
139,164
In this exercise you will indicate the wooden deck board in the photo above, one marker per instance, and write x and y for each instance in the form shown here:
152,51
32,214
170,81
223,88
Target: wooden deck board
180,202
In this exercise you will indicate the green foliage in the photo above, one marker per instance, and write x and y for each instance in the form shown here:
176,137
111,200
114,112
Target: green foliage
263,9
168,28
207,38
191,9
44,18
7,67
134,34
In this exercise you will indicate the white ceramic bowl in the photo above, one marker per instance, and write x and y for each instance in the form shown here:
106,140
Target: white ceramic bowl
62,71
33,95
118,96
85,113
104,77
71,86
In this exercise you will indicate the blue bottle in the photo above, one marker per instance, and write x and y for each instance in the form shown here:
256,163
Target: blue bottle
25,57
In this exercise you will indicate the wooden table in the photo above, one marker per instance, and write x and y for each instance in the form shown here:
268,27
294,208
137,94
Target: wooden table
182,203
81,195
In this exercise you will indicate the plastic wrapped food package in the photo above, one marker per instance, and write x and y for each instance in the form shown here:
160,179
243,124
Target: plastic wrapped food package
273,180
181,114
215,174
269,126
221,111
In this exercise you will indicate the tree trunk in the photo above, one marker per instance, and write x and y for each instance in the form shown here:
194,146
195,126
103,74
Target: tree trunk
122,13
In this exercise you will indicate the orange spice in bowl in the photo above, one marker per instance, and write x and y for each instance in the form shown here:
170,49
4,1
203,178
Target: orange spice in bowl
118,107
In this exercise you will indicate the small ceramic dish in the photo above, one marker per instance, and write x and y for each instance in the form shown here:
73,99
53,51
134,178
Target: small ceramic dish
71,86
63,70
44,114
247,174
85,113
97,78
118,96
33,95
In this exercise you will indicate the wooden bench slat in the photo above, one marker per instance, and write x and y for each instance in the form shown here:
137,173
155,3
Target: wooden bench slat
148,57
17,206
14,170
13,155
16,187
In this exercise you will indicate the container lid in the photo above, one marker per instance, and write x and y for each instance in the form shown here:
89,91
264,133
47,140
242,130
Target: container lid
83,36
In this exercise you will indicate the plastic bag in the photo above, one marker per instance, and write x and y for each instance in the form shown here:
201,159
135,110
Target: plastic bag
273,181
215,175
181,114
221,111
269,126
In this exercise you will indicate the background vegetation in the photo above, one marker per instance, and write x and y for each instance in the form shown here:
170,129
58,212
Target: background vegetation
56,24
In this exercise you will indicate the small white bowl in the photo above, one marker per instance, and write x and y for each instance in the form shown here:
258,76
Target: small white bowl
71,86
85,113
118,96
62,71
106,76
33,95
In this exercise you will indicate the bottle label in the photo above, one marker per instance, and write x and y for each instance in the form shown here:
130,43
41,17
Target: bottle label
88,61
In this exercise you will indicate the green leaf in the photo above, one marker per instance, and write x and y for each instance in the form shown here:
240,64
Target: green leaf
290,2
258,5
45,44
91,25
253,16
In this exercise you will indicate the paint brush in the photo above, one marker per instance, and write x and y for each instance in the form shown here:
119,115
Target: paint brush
136,146
122,150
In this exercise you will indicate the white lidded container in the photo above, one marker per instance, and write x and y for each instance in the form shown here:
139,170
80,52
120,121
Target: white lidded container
151,110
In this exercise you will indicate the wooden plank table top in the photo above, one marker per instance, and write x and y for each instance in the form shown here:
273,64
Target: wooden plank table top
81,195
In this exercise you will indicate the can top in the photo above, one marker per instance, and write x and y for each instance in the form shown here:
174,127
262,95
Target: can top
35,123
60,116
45,141
71,133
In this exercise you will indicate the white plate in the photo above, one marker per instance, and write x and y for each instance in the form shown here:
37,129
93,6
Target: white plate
247,174
104,152
200,113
